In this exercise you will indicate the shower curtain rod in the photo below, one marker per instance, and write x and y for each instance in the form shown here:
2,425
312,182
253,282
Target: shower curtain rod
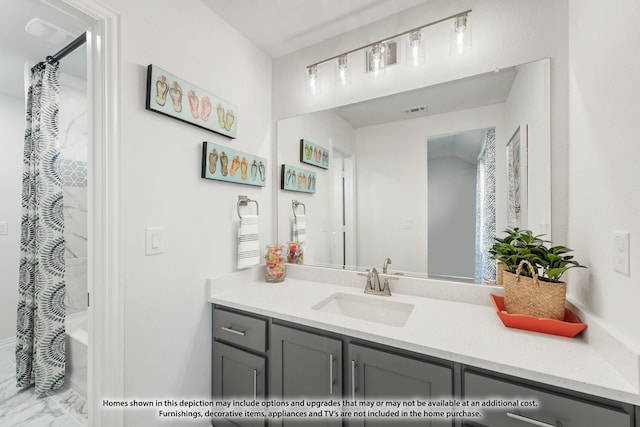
79,41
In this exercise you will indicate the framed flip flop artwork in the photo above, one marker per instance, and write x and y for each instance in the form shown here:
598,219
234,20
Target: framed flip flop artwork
314,155
174,97
296,179
224,164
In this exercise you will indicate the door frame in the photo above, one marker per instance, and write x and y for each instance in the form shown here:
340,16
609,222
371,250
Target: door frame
105,210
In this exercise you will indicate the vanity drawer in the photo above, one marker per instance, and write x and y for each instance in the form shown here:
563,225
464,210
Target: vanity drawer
553,409
240,329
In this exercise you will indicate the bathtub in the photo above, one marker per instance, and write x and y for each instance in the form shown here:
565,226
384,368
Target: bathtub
77,343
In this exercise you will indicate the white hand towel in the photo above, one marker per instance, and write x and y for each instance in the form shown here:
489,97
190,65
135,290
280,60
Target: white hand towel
248,242
299,229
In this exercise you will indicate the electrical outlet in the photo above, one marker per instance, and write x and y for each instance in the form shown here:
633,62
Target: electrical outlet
621,252
4,229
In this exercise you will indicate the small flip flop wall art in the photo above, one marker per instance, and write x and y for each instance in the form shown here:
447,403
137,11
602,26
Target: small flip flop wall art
224,164
174,97
314,154
296,179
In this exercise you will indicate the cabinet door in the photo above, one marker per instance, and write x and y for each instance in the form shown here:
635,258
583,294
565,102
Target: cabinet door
305,365
383,376
238,374
553,409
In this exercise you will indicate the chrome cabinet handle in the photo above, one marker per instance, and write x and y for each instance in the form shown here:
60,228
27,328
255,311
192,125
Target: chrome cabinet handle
233,331
255,384
330,373
353,380
530,420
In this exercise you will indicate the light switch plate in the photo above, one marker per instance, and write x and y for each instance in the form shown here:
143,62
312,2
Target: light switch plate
155,243
621,252
4,228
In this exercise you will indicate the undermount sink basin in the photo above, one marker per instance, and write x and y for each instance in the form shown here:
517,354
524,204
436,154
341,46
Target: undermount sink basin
365,307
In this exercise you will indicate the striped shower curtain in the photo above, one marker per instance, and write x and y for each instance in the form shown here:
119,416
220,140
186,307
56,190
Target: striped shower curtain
485,269
40,344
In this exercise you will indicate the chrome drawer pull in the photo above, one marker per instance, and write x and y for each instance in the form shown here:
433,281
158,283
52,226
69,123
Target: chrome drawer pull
330,373
530,420
353,380
233,331
255,384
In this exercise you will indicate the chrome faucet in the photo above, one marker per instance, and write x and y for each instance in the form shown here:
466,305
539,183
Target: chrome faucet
385,267
387,261
373,284
373,280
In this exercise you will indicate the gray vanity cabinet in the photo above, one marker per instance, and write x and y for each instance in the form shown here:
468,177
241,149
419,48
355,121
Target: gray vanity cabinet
239,365
305,365
553,409
379,375
240,374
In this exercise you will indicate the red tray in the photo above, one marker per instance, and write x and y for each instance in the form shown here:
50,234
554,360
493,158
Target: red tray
569,327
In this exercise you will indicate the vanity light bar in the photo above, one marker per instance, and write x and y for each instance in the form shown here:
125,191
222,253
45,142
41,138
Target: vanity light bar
457,15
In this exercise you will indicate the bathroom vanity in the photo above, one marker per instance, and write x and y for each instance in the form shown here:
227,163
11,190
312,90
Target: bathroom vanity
274,341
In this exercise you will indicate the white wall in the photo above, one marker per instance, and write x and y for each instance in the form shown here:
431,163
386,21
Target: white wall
451,195
604,152
525,107
330,131
167,316
392,183
12,124
505,33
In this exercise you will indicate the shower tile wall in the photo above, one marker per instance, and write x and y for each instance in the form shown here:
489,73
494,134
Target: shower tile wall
72,122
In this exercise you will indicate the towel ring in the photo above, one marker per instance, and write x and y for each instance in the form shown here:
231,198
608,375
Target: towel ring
244,201
295,204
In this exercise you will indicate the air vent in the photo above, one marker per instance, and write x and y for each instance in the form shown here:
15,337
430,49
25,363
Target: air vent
49,32
413,110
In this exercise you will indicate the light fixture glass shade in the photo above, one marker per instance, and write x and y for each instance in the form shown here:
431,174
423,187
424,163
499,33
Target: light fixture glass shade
312,84
376,64
416,49
460,35
343,71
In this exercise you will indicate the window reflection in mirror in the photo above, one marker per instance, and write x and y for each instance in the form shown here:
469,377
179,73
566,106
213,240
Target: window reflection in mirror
376,200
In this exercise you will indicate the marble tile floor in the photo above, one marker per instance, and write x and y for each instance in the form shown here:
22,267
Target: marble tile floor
24,408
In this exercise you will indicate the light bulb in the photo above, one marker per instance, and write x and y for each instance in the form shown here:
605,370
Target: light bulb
415,49
312,80
343,71
377,62
460,40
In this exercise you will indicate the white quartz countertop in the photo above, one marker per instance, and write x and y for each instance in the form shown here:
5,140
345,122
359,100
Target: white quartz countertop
466,333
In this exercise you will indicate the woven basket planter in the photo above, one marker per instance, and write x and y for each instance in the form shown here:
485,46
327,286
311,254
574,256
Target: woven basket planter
532,296
501,268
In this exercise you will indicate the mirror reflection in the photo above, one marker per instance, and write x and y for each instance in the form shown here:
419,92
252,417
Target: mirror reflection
423,177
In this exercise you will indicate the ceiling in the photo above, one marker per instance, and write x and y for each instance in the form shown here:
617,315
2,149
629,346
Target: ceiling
471,92
465,146
279,27
276,26
18,47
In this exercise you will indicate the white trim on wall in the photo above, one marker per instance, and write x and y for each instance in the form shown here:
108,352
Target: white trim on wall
105,226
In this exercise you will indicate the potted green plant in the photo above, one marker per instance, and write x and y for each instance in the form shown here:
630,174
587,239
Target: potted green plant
532,273
508,251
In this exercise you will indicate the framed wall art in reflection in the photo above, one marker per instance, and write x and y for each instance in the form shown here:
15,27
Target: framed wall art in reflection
517,178
296,179
222,163
170,95
314,155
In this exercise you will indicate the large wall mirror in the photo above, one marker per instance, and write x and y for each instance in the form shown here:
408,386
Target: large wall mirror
426,177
